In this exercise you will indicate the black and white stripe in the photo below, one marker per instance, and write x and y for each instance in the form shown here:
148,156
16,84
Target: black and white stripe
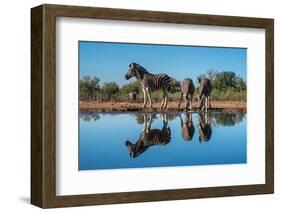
204,125
150,82
187,91
205,90
155,137
149,137
156,82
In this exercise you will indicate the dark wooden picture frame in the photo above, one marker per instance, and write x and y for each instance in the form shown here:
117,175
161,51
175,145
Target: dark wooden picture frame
43,105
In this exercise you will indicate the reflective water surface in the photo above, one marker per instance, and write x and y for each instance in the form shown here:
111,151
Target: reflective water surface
136,140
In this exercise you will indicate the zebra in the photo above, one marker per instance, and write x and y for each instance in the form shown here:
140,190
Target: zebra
133,97
150,82
187,90
187,127
204,125
149,137
205,89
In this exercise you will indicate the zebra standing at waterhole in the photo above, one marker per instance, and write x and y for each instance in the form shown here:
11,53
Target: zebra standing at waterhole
150,82
205,90
187,91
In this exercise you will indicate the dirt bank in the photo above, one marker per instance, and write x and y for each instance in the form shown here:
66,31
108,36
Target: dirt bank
94,106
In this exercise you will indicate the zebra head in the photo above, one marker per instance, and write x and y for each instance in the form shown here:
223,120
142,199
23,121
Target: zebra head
131,72
135,149
135,70
131,148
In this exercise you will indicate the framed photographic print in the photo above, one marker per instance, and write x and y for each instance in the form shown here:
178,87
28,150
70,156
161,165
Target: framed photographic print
136,106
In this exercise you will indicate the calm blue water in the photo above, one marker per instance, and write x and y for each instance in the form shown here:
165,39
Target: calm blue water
217,138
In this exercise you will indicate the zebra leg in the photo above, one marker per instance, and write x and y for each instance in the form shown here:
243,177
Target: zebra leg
181,120
165,98
206,104
144,123
149,97
144,98
207,118
209,103
190,117
200,101
190,102
180,100
165,120
186,103
147,123
150,121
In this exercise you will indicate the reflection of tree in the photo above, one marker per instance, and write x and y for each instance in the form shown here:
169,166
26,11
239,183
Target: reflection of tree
172,116
228,119
140,118
89,116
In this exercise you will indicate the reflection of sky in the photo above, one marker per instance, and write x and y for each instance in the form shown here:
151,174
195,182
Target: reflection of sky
109,61
102,144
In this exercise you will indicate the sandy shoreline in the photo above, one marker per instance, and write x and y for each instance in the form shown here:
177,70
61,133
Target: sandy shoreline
94,106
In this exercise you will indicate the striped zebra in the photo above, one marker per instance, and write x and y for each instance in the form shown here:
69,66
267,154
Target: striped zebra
150,82
187,90
205,89
149,137
187,127
204,126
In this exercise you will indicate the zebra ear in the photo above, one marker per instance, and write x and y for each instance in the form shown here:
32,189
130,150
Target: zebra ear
132,65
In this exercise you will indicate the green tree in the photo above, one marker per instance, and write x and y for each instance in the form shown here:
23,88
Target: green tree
89,88
240,84
226,85
130,87
228,119
110,89
211,74
223,80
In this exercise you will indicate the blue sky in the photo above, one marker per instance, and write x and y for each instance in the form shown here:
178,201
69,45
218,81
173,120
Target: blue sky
109,61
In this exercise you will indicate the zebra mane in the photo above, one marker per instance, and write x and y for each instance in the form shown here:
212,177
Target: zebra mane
141,69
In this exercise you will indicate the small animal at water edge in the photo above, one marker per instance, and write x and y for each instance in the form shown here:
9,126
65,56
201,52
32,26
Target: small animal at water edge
132,97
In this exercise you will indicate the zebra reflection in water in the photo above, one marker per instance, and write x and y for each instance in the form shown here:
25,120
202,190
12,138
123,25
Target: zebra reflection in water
150,137
204,126
187,127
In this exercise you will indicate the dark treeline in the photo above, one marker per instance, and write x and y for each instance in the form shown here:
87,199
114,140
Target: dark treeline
89,116
220,119
228,119
226,87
